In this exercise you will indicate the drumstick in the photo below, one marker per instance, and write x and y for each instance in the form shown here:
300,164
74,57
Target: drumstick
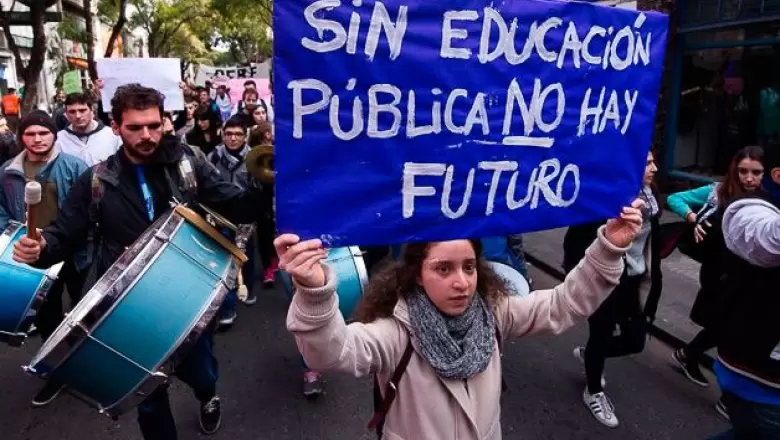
32,197
243,292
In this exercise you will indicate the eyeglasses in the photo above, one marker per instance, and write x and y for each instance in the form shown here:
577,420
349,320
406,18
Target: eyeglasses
234,134
745,171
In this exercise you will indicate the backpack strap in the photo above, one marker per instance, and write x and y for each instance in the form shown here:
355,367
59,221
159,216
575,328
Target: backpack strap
187,173
382,405
93,234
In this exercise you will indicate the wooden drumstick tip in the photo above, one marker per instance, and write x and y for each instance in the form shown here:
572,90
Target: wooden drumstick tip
32,193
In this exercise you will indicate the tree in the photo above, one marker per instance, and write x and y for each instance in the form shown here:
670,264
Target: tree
244,26
173,25
70,28
90,33
113,11
30,72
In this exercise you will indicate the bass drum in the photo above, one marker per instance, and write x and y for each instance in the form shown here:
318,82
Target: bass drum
24,288
352,275
125,336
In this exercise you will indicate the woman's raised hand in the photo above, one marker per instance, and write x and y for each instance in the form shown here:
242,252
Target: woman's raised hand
622,230
301,259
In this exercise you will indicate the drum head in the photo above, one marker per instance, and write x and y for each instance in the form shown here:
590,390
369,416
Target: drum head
517,283
112,284
352,278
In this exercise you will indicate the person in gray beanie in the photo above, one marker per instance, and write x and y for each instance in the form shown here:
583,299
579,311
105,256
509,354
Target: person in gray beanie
56,172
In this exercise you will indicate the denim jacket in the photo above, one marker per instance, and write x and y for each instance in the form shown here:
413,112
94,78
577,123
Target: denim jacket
62,170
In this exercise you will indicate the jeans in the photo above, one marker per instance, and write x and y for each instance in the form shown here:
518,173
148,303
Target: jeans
50,313
620,311
199,370
750,420
515,244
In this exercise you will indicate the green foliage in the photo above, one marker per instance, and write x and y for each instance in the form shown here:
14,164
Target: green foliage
244,27
175,28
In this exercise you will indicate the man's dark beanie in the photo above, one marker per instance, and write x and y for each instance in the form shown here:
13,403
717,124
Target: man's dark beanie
38,117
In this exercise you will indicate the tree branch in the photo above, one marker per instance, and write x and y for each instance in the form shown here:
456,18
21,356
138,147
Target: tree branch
117,29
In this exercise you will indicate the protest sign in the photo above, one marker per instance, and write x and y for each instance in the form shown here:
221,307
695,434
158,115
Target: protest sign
236,88
412,120
253,70
71,82
162,74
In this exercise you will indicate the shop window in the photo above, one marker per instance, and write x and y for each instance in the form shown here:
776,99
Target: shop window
730,98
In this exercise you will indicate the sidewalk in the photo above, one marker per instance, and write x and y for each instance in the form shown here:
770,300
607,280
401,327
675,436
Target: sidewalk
680,274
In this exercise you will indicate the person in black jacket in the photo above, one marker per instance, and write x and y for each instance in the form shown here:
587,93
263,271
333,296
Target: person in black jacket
8,146
619,326
139,182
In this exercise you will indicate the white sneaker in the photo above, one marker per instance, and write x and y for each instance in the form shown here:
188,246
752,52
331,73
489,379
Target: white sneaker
601,408
579,353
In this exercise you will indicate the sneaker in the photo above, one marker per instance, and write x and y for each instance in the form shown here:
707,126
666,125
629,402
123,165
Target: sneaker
268,278
601,408
720,407
251,299
313,384
228,320
210,416
691,369
579,353
47,394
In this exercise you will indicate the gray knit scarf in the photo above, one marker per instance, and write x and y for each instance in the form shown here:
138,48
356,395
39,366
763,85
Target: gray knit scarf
457,347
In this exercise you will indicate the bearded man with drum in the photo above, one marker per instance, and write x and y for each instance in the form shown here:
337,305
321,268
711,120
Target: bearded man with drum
137,185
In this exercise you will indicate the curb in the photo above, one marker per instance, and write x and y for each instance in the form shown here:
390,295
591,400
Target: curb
661,334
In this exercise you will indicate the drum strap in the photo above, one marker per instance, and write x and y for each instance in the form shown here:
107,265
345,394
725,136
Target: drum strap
188,191
382,404
93,245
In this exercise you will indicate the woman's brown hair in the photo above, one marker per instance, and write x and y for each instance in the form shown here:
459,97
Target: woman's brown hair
260,134
399,280
731,188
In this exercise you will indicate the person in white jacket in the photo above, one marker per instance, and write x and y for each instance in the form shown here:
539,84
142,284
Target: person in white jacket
85,137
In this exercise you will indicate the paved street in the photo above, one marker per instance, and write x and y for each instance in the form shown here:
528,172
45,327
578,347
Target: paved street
260,389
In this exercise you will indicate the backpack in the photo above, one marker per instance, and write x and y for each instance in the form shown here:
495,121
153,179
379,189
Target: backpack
382,405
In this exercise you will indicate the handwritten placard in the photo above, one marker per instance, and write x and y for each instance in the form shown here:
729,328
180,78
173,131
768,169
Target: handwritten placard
162,74
409,120
71,82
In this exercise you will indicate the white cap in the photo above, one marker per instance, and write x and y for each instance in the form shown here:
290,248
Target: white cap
32,193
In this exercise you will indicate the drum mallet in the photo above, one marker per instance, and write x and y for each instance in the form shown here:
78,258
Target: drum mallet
32,198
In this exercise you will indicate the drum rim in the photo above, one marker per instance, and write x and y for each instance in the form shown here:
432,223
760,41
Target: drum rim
19,333
47,280
166,368
360,267
5,237
80,330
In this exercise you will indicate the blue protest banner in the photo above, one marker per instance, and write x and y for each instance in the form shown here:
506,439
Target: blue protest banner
411,120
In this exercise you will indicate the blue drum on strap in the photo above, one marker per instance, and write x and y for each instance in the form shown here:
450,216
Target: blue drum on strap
127,334
516,282
23,290
352,276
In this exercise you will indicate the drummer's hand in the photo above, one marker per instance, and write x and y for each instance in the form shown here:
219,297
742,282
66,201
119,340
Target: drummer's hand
301,259
622,230
27,250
